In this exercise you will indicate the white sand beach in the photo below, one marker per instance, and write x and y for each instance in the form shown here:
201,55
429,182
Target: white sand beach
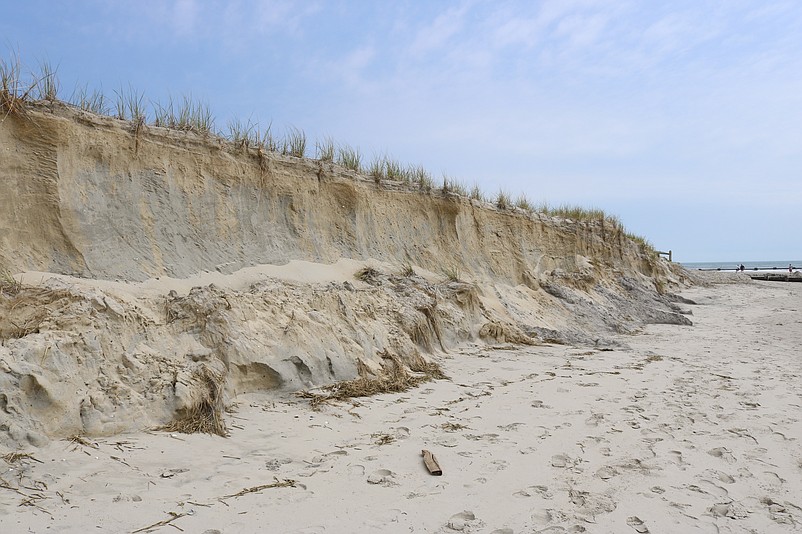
689,429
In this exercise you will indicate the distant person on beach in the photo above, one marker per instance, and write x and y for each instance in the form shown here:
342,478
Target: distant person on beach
741,268
790,268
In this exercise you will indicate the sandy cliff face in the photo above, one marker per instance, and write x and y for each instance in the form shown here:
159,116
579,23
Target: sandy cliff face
85,195
101,351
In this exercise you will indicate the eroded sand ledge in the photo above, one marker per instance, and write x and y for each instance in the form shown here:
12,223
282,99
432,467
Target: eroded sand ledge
687,429
152,259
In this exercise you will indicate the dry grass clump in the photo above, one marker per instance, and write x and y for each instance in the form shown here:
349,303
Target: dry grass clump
452,273
368,275
15,457
8,284
206,414
394,378
407,269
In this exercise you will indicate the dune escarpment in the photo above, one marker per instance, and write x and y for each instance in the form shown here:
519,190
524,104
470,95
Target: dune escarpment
107,208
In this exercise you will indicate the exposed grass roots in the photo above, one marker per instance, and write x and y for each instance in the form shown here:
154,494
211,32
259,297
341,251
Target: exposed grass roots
394,378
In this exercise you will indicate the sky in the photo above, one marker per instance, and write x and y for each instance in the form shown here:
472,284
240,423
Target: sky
683,118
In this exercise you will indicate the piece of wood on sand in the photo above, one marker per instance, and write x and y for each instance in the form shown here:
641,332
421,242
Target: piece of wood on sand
431,463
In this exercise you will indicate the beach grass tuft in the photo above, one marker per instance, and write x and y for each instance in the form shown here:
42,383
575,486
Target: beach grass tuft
14,92
47,84
294,143
503,200
325,149
94,102
349,157
130,105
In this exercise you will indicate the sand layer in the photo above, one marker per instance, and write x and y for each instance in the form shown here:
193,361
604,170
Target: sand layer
681,429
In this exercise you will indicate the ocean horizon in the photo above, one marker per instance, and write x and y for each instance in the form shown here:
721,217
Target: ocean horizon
748,265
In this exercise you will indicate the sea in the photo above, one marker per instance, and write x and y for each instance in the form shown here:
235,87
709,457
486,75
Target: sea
770,265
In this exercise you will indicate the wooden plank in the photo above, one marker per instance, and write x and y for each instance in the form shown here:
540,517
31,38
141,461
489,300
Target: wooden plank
431,463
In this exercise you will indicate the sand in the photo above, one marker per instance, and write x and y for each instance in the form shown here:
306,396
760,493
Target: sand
684,429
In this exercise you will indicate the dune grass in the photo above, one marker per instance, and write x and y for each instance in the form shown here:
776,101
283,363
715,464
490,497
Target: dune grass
189,116
325,150
349,157
15,92
94,102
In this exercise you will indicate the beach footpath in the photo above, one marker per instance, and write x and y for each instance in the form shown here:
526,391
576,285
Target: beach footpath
678,429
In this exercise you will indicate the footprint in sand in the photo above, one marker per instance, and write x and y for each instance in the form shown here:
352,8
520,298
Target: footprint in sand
500,465
606,472
594,419
535,491
356,470
447,442
713,489
733,510
563,460
400,432
676,457
720,475
385,477
463,521
636,523
510,427
722,452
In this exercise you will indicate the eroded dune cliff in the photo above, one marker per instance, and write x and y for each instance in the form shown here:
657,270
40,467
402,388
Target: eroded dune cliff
172,258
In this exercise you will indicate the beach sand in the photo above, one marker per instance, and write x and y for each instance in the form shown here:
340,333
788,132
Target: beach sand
688,429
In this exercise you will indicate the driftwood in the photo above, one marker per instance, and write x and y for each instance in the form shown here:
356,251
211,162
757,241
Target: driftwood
431,463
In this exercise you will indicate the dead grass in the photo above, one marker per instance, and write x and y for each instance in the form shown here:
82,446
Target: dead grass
206,414
382,439
368,275
394,378
8,284
16,457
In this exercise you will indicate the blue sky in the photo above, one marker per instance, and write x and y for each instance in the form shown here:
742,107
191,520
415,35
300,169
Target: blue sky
684,118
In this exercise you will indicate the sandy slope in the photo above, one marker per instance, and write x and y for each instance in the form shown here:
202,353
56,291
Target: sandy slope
691,429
